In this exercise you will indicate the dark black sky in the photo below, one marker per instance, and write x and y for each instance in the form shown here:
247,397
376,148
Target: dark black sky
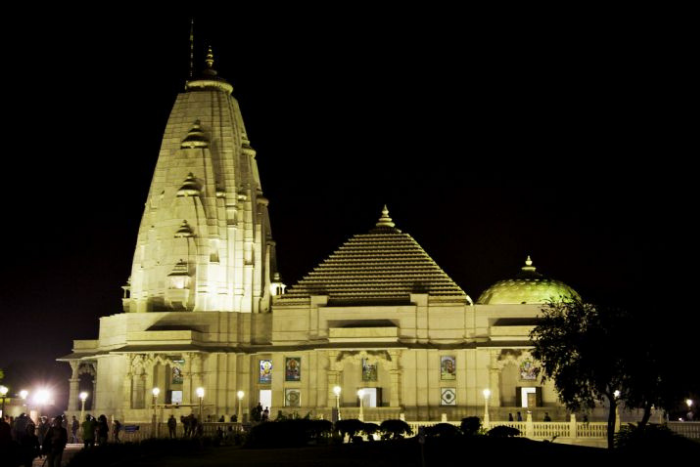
489,139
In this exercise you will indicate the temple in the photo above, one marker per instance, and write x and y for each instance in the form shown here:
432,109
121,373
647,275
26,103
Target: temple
205,308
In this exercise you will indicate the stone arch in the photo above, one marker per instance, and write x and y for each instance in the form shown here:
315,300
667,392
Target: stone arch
357,369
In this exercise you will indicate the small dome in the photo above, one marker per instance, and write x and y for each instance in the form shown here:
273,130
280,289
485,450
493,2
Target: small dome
195,137
190,187
528,287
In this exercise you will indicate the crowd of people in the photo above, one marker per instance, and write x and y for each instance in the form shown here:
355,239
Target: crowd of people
25,439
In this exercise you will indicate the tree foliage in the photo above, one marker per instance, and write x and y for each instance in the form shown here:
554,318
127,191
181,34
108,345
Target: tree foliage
582,349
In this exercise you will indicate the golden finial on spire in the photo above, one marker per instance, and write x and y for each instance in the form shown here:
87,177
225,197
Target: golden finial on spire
385,220
210,58
528,264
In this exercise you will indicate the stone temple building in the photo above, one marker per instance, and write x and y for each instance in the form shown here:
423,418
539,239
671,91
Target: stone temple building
204,306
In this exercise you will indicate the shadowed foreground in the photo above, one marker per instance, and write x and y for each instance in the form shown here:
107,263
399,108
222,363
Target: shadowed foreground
437,452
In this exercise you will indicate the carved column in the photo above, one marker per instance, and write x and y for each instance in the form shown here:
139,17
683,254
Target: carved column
149,367
395,375
94,387
74,386
494,381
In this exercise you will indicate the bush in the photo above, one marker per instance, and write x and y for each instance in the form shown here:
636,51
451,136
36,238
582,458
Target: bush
395,429
470,426
503,432
442,430
349,427
651,438
369,429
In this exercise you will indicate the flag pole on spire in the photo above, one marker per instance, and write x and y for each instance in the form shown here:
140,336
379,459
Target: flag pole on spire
191,48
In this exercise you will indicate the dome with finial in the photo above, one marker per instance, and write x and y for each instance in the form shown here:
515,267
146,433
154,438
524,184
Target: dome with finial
209,78
527,287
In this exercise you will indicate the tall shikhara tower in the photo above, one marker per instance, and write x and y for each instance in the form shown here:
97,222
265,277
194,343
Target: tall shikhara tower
205,242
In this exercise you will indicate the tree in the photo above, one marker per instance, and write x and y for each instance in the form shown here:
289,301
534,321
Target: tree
582,349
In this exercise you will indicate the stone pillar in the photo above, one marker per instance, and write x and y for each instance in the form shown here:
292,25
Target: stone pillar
573,428
94,387
395,375
127,397
494,382
529,426
74,387
395,399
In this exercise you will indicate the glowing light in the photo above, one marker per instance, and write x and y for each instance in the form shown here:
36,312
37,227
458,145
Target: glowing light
23,394
487,393
83,396
336,391
361,393
689,402
617,394
42,396
240,395
156,391
200,392
3,391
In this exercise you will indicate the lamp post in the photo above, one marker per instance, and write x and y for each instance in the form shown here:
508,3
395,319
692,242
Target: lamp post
689,402
155,392
336,391
83,397
618,422
240,395
487,420
200,394
361,395
3,392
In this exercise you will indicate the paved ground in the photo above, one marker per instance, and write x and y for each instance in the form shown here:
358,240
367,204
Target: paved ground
70,451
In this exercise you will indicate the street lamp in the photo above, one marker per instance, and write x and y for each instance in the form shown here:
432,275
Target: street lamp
155,392
336,391
240,395
487,394
200,394
361,395
690,410
3,392
83,396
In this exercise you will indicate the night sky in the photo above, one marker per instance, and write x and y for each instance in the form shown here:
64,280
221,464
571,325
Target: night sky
487,142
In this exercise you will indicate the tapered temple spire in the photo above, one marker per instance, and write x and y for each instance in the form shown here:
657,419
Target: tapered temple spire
205,207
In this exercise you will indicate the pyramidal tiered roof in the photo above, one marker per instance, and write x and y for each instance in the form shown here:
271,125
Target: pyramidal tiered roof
383,265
